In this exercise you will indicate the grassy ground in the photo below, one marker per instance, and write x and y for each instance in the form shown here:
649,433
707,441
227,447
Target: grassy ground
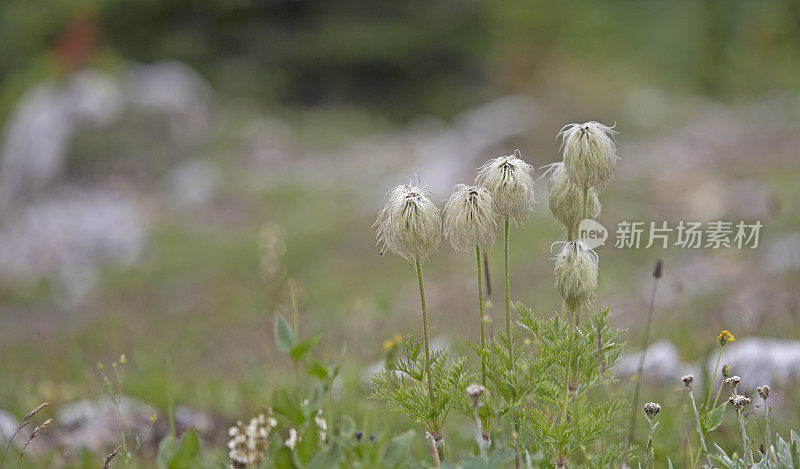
200,298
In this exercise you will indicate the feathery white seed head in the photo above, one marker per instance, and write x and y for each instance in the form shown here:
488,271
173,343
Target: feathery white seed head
470,219
409,225
510,181
566,199
590,153
576,274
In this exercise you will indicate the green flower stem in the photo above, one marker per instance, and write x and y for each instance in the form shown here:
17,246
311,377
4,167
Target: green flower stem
748,452
480,305
714,380
425,331
703,448
508,302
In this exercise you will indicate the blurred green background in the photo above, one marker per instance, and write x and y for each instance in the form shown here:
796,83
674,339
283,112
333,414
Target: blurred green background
169,165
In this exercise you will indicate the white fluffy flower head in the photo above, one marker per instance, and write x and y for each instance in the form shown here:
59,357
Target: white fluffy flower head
566,200
409,225
470,219
576,274
510,181
590,154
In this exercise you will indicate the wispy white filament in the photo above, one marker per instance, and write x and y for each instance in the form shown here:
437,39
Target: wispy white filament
410,224
566,199
510,181
576,274
590,154
470,219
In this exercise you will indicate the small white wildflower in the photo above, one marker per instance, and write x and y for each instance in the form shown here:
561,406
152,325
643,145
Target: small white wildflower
510,181
764,391
409,225
566,199
470,219
576,274
688,380
293,439
739,401
733,381
651,409
590,154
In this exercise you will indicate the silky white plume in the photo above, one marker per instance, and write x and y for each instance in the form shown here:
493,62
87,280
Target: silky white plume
410,224
576,274
566,200
510,181
470,219
590,154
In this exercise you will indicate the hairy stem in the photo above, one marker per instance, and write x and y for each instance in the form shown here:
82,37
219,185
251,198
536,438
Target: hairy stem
568,367
425,331
479,433
480,306
508,302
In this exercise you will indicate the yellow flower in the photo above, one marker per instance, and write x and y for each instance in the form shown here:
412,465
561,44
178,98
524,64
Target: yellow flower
725,337
388,344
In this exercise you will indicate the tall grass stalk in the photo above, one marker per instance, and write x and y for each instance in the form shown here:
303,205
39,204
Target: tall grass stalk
645,342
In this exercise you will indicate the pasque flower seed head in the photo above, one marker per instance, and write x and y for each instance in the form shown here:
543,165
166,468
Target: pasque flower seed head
410,224
470,219
566,199
590,154
510,181
576,274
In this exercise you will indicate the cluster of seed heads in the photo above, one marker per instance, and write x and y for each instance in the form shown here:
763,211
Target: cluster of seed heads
733,383
651,409
739,401
763,391
248,443
411,226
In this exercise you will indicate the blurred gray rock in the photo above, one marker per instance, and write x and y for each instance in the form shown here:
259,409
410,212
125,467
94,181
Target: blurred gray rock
67,237
38,134
193,182
175,92
761,361
94,424
662,363
8,425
